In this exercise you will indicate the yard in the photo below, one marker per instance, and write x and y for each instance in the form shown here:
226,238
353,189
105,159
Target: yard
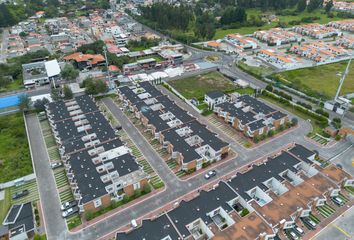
321,81
220,33
5,204
15,159
198,86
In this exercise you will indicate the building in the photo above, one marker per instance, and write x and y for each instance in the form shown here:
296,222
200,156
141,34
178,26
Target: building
18,223
186,140
40,73
85,61
98,164
317,31
344,25
213,98
346,41
251,116
277,36
279,59
261,202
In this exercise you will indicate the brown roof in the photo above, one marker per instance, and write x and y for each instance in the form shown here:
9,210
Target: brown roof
80,57
335,173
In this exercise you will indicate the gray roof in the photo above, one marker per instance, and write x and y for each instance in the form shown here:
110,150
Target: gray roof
215,94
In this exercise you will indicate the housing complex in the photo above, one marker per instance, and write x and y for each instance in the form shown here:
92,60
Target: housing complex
40,73
344,25
277,36
186,140
320,52
262,202
278,58
317,31
98,164
234,43
346,41
343,6
251,116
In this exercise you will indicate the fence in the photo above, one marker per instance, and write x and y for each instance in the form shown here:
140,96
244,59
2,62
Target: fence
13,182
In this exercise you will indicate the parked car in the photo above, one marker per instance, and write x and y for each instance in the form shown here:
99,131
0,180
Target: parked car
56,165
337,200
299,230
68,205
70,212
210,174
20,194
293,235
309,223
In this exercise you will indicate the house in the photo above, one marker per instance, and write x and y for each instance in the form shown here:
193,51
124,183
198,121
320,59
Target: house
40,73
250,116
18,223
317,31
277,36
188,142
99,167
279,59
84,61
213,98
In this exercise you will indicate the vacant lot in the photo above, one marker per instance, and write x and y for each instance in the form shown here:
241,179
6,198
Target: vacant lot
15,160
321,81
197,86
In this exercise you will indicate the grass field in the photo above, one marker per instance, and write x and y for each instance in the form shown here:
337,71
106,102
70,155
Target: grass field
15,159
14,85
220,33
197,86
323,80
5,204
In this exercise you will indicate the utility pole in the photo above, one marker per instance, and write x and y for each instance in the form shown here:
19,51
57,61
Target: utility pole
111,84
342,80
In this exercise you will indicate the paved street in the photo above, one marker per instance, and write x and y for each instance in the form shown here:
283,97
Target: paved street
54,223
341,229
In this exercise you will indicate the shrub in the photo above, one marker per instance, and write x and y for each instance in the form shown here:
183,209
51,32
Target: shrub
338,137
271,133
244,212
147,188
89,215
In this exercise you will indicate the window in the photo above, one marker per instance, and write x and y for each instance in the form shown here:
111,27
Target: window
136,185
97,203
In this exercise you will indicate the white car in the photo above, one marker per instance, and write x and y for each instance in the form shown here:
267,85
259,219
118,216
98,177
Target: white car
294,236
70,211
299,230
210,174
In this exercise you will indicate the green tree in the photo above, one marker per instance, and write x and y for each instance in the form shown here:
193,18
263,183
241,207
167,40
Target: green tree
68,94
205,26
39,104
55,94
329,6
24,102
93,87
301,5
69,72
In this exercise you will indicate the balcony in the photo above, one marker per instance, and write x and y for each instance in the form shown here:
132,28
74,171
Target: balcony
221,219
199,230
275,186
291,177
259,196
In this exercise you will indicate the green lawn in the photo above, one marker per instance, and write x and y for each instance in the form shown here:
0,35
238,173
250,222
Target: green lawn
157,57
321,81
197,86
14,85
15,159
247,90
220,33
5,204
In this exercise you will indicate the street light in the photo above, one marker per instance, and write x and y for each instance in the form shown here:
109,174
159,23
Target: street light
111,84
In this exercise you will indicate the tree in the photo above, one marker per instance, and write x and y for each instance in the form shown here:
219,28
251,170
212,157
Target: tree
329,6
93,87
205,26
68,94
337,123
269,88
301,5
69,72
55,94
24,102
294,121
39,104
233,15
314,4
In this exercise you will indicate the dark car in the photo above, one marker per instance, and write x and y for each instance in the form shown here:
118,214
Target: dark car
210,174
68,205
20,194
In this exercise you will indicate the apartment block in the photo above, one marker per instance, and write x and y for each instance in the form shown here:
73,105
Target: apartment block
98,164
317,31
277,36
186,140
251,116
320,52
258,203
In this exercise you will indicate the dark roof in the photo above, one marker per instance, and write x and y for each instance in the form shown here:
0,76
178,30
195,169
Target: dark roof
256,125
215,94
23,219
156,229
278,115
243,117
12,214
255,177
302,153
187,212
256,105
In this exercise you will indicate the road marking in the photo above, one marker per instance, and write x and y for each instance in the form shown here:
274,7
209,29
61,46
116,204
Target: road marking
341,230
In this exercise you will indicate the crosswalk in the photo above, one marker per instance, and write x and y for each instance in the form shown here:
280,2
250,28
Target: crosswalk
228,130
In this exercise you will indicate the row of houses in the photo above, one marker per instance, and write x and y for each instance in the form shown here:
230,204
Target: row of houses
277,36
246,113
320,52
186,140
260,203
278,58
346,42
317,31
99,166
236,43
344,25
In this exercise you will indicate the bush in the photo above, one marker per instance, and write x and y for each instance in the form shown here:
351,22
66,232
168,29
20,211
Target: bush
35,211
269,88
338,137
244,212
322,112
271,133
147,188
89,215
37,218
294,121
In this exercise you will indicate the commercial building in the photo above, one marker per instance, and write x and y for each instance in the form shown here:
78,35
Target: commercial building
260,203
98,164
251,116
40,73
186,140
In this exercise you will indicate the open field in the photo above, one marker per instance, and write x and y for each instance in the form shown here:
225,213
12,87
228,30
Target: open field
220,33
15,159
197,86
5,204
321,81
